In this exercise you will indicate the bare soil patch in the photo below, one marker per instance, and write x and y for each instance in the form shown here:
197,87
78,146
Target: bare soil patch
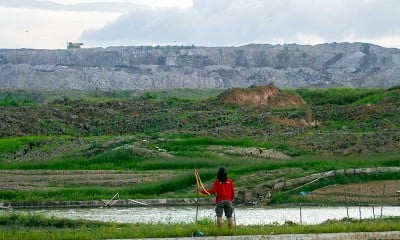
375,192
250,151
30,180
262,96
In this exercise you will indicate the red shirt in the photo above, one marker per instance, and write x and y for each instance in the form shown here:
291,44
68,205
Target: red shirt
225,191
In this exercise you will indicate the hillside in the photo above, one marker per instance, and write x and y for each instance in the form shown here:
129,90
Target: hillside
87,147
169,67
333,121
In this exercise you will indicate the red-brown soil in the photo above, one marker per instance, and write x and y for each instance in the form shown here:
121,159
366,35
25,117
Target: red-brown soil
261,96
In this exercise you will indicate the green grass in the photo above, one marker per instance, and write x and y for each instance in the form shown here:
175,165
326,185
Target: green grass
371,99
340,96
13,226
184,178
188,94
188,144
14,98
123,159
11,145
190,152
18,98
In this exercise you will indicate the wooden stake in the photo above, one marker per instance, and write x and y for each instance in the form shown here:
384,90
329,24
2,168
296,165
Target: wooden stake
383,195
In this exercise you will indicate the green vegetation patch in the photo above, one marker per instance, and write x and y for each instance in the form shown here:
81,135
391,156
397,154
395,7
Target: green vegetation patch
340,96
11,145
17,227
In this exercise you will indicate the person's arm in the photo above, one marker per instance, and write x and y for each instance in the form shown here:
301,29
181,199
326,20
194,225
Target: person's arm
212,190
233,190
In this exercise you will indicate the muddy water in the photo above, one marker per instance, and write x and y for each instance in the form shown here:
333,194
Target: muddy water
244,216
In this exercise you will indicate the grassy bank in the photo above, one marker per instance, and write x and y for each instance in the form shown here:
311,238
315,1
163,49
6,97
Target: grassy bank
40,227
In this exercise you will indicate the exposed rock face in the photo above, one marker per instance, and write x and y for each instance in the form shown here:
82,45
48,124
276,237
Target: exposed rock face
289,66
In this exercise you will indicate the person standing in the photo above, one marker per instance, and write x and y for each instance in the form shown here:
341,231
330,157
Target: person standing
224,189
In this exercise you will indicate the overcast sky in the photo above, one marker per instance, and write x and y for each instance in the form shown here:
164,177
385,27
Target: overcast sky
53,23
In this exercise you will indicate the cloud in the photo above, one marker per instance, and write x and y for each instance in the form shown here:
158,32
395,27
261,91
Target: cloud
27,28
51,23
80,7
227,23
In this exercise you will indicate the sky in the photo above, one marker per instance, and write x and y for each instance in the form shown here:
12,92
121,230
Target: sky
50,24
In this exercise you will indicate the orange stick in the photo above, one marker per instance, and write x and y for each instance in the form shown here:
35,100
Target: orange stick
200,183
196,174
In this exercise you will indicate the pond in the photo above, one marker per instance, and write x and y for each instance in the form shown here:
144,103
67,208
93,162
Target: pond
243,215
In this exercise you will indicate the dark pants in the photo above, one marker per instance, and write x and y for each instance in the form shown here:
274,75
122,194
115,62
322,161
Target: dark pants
224,206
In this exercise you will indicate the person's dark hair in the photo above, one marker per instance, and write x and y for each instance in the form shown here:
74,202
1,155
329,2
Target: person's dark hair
222,175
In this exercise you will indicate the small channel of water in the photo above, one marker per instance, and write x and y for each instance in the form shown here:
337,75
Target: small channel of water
243,215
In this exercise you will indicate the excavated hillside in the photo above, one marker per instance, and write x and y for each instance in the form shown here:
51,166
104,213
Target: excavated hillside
168,67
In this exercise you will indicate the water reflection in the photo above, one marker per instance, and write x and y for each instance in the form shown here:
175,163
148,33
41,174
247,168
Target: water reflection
244,216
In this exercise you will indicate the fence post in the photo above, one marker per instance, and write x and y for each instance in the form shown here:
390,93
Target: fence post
301,217
347,205
373,211
383,194
359,201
